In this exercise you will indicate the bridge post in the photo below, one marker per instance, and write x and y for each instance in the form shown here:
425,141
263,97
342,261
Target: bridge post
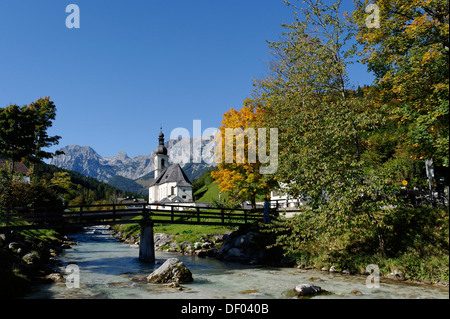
147,242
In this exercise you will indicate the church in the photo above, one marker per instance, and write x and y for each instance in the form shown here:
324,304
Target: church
170,185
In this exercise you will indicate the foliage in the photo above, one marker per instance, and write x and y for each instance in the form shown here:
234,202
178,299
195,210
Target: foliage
409,55
417,243
54,186
238,174
14,192
199,186
323,131
343,150
80,190
23,131
127,184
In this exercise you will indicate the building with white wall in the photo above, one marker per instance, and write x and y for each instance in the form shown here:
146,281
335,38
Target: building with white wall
170,185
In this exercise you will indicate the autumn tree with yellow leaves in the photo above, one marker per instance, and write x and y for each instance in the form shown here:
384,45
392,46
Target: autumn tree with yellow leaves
409,54
239,171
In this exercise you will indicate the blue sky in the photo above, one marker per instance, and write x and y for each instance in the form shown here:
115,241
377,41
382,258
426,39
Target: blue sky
135,65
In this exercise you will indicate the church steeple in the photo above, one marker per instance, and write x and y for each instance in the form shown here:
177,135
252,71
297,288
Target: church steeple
161,149
161,157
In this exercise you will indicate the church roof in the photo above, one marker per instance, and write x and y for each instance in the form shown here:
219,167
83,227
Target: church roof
173,173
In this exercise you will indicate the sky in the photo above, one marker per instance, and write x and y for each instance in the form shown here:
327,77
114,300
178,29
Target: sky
135,65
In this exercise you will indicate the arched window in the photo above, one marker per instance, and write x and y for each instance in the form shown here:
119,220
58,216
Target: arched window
163,163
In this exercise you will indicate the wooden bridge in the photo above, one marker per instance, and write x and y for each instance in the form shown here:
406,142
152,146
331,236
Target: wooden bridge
146,215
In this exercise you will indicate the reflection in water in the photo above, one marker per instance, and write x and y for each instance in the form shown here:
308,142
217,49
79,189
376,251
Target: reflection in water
109,269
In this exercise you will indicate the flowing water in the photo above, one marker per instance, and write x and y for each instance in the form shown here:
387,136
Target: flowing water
108,269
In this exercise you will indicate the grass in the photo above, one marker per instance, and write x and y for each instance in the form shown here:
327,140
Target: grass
40,235
209,193
181,232
192,233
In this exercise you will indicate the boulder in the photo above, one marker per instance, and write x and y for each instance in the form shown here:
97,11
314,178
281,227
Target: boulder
218,238
225,248
55,277
346,272
31,258
308,290
173,247
213,252
162,239
206,245
234,252
15,245
185,244
249,237
356,293
239,241
173,270
396,275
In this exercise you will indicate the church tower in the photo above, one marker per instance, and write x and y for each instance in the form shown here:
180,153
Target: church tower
161,157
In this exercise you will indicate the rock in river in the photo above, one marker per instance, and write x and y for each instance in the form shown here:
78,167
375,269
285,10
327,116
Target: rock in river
307,290
173,270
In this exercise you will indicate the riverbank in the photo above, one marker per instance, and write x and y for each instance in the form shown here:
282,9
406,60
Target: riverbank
249,245
110,269
29,257
245,244
32,258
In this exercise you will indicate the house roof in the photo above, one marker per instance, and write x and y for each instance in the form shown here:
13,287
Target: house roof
173,173
18,167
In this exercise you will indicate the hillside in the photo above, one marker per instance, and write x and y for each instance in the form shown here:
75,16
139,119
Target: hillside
127,185
85,190
204,188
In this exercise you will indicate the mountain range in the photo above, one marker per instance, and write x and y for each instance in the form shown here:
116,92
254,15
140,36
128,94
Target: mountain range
134,174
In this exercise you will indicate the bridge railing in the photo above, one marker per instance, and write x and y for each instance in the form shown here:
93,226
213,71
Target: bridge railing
86,215
188,214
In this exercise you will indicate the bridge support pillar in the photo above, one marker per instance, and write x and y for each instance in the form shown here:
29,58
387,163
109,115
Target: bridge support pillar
147,243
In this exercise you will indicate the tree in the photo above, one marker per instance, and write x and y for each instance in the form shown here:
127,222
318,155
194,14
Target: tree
238,172
62,184
323,127
23,131
409,55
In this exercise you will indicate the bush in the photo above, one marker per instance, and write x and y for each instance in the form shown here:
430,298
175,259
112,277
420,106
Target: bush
416,243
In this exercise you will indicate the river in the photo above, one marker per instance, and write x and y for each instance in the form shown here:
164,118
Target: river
107,267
